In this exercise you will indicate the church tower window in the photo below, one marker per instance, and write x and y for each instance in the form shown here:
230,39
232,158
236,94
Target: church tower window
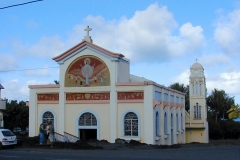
197,111
131,124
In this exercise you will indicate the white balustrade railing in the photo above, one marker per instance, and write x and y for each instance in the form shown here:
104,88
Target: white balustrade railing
71,138
59,138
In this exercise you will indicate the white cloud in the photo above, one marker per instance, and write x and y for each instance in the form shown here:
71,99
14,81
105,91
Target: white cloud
38,73
228,81
147,36
14,90
211,60
188,39
227,33
8,62
46,47
183,78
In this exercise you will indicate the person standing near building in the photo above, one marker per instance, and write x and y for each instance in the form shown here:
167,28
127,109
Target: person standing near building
51,134
47,132
41,134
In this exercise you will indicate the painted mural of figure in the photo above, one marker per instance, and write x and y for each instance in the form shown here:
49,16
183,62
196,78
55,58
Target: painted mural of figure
87,70
95,79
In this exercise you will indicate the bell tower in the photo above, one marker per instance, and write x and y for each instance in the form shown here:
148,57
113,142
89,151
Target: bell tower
198,126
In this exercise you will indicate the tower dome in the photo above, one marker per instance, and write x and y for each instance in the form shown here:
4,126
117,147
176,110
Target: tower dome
196,65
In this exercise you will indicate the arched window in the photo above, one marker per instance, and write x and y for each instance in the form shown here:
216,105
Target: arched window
177,122
47,117
131,124
157,124
165,123
87,119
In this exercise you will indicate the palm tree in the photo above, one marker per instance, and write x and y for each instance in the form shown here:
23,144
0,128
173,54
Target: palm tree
184,89
219,102
234,112
56,82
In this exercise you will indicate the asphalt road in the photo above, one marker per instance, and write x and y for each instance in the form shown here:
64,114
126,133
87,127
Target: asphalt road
205,153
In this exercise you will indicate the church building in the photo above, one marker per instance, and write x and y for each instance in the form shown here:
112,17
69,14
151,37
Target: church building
98,98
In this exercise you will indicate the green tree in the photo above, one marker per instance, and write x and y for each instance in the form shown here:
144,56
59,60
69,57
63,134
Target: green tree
219,102
18,114
56,82
184,89
234,112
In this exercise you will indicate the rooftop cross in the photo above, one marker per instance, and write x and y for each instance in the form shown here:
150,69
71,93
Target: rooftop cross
87,30
196,59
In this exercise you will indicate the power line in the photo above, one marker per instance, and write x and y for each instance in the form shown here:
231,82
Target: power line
26,69
20,4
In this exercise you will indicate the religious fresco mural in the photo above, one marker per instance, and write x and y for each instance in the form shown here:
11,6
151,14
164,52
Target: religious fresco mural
87,71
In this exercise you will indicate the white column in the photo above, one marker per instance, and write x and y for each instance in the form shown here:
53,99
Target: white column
33,114
113,103
148,118
60,126
113,115
61,119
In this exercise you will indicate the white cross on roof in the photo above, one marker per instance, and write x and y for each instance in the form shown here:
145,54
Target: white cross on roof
88,30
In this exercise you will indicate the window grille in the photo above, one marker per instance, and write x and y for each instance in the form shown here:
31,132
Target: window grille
131,124
197,111
87,119
47,117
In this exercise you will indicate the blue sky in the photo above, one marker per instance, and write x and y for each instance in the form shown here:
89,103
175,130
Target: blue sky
161,38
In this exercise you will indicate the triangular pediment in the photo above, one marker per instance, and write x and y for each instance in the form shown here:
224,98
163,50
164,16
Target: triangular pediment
86,45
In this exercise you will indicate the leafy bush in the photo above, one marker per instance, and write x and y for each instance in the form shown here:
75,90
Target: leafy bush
224,129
